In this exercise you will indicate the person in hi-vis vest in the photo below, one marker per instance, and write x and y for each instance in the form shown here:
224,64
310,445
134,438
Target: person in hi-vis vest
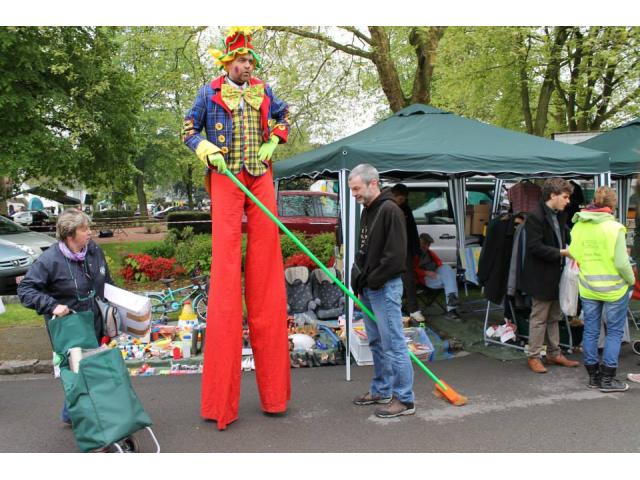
598,244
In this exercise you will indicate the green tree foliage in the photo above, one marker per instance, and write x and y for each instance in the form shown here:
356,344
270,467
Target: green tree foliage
540,79
404,58
68,110
168,69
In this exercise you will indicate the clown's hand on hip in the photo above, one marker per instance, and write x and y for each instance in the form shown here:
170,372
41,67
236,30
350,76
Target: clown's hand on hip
267,148
210,155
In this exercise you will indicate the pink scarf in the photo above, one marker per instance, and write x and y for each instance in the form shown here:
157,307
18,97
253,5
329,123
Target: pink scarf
76,257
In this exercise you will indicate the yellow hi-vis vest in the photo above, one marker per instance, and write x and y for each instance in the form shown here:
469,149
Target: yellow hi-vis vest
593,246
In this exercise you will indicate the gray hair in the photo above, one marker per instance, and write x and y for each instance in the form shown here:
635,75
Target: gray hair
366,172
69,221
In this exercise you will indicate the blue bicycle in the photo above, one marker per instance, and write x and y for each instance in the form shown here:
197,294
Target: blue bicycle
169,300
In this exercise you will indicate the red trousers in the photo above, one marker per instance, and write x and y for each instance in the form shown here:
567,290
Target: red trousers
265,297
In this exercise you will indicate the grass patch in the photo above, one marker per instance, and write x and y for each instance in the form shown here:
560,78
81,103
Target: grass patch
17,315
117,251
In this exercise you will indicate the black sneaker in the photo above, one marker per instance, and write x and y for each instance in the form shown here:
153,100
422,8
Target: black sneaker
395,409
370,399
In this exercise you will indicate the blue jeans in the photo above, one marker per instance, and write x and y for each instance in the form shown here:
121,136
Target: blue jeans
393,373
64,414
616,313
446,279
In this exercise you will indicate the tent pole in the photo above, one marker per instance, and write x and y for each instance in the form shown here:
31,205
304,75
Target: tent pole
497,196
347,206
623,185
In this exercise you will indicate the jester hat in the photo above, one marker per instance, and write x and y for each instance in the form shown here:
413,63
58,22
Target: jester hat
238,42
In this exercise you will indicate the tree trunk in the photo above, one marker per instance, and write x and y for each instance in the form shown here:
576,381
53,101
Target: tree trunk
5,191
561,34
189,184
142,197
387,72
524,88
425,43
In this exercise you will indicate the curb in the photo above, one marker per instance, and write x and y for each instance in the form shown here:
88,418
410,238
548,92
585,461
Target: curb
15,367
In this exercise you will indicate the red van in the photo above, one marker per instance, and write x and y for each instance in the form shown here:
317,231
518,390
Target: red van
306,211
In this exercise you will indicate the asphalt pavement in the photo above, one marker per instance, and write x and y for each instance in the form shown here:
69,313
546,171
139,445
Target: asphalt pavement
510,410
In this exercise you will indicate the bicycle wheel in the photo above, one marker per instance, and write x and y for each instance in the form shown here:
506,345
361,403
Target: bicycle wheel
158,308
200,307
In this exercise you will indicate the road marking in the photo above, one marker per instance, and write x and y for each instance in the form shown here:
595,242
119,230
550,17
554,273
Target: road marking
481,405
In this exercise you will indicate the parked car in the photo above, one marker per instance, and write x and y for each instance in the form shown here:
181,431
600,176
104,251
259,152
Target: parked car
38,220
432,209
162,214
32,243
14,263
306,211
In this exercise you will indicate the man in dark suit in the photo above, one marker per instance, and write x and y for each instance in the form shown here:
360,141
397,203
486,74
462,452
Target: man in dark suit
547,238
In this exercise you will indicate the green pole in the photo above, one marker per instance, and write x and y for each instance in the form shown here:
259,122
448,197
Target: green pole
324,269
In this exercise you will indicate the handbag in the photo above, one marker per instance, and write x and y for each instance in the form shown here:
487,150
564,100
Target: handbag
110,318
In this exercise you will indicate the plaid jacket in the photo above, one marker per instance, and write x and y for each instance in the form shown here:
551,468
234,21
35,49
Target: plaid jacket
209,112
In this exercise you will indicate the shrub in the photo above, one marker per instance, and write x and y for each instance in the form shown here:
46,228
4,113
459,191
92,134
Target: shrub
288,246
195,253
142,267
165,249
108,214
200,222
151,228
322,246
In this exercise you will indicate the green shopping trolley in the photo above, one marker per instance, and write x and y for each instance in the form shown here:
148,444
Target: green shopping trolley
104,409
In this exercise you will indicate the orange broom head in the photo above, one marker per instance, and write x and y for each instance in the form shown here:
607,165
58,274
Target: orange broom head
453,397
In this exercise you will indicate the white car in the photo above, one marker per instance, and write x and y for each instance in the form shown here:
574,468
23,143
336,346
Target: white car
432,209
33,243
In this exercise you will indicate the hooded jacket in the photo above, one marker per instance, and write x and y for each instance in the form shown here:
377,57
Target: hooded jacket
620,256
384,248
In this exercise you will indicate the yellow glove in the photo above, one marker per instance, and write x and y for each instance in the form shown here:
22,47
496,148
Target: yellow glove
217,161
267,148
204,149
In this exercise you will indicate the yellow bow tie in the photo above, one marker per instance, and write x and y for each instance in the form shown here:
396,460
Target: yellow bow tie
253,95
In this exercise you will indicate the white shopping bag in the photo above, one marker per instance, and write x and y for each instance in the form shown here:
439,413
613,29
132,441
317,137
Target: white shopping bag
569,289
134,311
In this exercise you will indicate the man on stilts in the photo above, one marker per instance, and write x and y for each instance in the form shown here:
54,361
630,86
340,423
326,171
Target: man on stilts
244,122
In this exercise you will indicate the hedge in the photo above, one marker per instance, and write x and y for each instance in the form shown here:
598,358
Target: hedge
190,218
107,214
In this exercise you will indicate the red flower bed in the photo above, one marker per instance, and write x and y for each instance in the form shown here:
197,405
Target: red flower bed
142,267
302,260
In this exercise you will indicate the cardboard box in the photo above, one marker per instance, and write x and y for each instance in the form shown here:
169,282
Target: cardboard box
481,209
134,311
467,223
478,223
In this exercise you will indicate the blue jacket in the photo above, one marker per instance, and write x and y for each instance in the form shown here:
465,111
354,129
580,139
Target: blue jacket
209,112
50,281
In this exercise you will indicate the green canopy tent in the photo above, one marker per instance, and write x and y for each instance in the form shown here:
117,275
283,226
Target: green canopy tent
424,142
623,146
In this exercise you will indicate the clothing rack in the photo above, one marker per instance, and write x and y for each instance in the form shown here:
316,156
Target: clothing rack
487,340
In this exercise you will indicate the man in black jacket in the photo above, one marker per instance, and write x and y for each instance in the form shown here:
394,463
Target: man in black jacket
381,261
547,238
400,194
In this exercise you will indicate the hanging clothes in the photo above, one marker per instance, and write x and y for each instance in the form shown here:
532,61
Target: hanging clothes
524,196
495,258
